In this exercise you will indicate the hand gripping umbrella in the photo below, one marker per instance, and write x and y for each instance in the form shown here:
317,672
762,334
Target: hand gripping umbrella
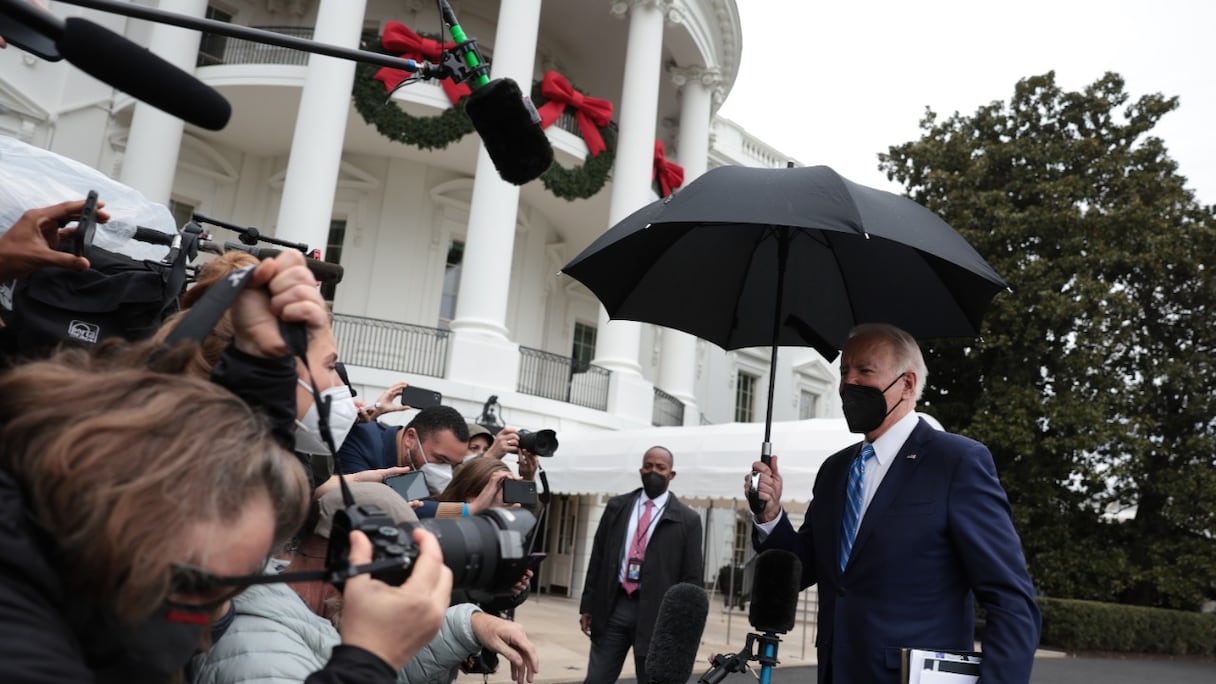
749,257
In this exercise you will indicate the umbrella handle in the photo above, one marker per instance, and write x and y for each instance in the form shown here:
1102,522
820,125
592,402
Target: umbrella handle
753,495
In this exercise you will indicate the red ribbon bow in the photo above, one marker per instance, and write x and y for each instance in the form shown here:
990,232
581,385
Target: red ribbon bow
400,39
591,113
670,174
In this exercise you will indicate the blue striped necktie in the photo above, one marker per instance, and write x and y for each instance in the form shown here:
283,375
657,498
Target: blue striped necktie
852,507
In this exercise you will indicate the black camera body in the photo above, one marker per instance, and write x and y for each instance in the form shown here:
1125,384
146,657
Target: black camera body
488,552
388,541
541,442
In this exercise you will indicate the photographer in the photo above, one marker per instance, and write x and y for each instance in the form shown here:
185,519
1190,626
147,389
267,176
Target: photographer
277,637
103,513
478,484
124,527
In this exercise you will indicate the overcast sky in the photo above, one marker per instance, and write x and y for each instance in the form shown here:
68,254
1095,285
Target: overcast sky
836,83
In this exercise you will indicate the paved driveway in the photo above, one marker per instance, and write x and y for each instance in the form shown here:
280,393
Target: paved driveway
1081,670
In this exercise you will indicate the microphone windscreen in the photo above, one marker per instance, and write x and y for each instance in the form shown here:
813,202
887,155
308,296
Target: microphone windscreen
776,583
113,59
510,128
677,634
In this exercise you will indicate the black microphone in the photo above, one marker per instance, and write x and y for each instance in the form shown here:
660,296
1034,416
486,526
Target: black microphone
153,236
31,28
775,587
510,128
323,271
677,634
135,70
506,121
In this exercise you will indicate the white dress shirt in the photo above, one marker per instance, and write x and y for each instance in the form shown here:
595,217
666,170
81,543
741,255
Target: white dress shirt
660,504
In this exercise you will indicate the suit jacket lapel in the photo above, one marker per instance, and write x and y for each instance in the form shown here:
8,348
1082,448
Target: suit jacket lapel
897,475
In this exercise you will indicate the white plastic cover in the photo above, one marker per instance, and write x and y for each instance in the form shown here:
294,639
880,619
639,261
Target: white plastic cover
32,177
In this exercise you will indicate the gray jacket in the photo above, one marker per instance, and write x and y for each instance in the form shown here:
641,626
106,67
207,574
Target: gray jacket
276,639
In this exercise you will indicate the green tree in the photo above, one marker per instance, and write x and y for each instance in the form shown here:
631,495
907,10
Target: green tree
1091,382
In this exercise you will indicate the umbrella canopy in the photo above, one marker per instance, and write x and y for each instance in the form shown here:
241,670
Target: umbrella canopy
747,257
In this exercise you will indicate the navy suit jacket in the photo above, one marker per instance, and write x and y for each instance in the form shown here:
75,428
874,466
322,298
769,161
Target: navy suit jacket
938,532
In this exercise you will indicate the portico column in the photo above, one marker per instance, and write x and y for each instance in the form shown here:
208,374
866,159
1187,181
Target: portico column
307,205
678,351
155,138
618,343
479,351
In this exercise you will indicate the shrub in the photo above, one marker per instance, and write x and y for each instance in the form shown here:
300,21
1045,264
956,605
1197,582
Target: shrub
1075,625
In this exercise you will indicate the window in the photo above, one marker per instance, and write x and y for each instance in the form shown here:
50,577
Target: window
451,283
745,397
211,46
743,536
567,523
807,403
182,213
333,255
584,346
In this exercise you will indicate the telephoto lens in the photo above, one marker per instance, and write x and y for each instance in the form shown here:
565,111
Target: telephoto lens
488,551
541,442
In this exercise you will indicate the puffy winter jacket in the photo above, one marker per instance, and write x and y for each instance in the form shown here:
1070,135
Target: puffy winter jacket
275,638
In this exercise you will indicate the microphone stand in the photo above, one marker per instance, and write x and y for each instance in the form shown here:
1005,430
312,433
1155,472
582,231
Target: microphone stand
424,69
766,655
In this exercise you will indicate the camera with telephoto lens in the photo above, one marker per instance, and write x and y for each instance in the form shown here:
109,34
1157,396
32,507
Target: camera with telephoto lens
541,442
486,551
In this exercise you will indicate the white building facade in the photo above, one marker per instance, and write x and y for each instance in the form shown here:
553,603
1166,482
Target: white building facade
450,274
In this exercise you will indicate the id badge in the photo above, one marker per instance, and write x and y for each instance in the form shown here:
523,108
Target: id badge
633,570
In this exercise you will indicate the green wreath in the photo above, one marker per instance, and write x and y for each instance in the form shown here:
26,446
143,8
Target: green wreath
393,122
580,182
439,131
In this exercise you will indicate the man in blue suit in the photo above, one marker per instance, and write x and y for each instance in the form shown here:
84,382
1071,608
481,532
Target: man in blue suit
903,530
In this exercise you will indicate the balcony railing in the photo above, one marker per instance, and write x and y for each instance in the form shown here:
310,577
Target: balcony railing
553,376
668,410
217,49
399,347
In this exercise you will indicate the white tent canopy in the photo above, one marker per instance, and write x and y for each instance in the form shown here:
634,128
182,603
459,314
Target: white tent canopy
710,460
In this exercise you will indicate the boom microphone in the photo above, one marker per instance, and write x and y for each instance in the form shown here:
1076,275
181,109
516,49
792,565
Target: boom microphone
510,128
775,587
135,70
506,121
677,634
323,271
31,28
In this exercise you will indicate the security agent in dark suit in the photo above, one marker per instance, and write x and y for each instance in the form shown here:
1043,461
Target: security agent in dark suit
646,542
934,531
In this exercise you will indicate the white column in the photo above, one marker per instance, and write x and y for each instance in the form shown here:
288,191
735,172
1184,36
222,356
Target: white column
316,146
618,343
155,139
479,351
678,351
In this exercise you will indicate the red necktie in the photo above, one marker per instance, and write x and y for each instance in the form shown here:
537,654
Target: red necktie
637,549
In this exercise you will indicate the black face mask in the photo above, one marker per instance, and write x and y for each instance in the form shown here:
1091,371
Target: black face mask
654,484
151,651
865,407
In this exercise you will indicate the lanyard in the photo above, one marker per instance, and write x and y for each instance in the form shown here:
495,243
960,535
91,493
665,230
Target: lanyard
640,532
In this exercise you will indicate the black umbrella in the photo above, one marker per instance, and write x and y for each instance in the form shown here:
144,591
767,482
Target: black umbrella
748,257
